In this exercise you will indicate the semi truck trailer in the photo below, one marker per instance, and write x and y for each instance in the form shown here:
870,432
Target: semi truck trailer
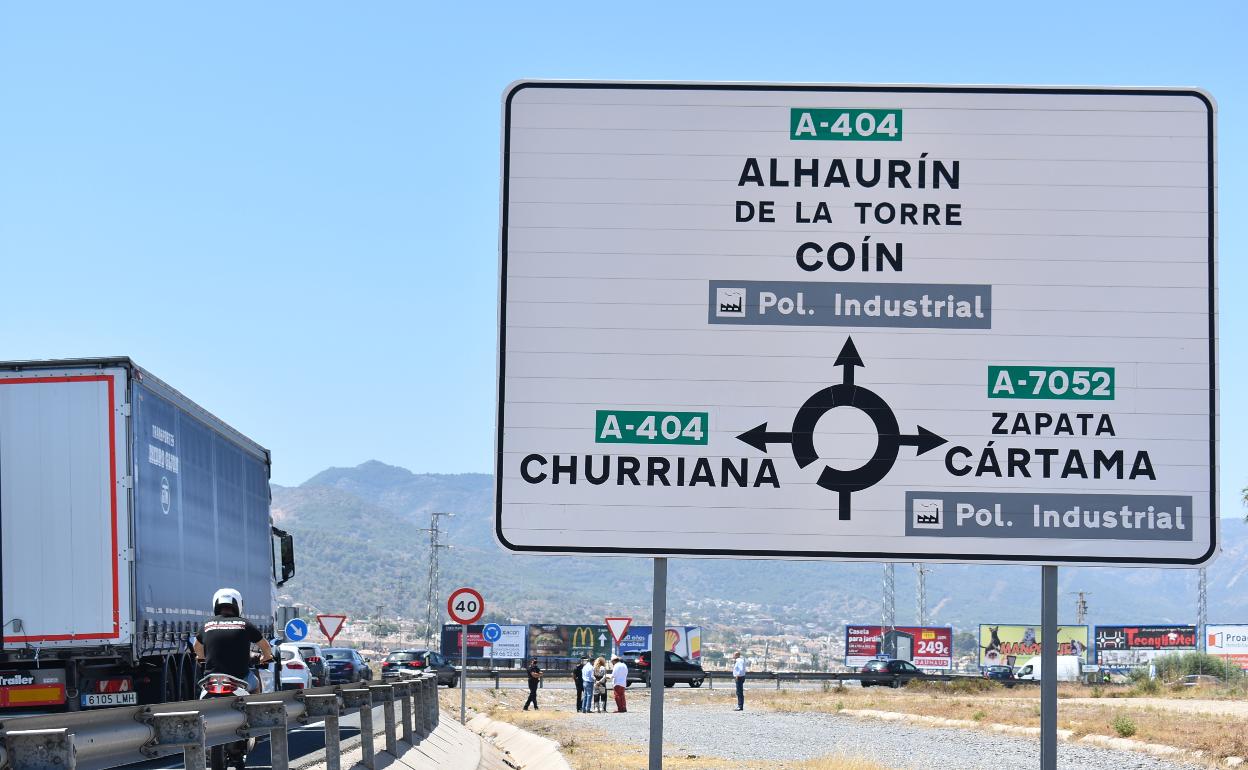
123,507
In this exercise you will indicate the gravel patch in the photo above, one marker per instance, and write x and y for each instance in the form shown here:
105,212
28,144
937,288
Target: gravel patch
778,736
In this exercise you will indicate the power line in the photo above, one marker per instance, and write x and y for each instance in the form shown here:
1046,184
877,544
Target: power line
889,619
920,593
433,596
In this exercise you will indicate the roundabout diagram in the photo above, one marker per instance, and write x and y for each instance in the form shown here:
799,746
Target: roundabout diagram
801,438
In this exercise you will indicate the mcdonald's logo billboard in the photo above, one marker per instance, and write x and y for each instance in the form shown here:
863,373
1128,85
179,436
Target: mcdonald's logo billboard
591,640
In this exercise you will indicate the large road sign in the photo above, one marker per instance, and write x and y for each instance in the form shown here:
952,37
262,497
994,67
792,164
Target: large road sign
910,323
465,606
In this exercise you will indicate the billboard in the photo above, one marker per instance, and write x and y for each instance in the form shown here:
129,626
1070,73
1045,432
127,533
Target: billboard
559,640
1137,645
1228,641
1014,645
511,645
685,641
592,640
694,277
925,647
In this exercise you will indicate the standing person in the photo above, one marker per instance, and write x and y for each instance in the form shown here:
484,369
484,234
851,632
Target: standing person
601,675
535,676
579,681
619,678
738,677
587,686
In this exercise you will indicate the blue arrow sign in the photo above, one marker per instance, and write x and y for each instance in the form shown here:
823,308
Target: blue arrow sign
296,630
492,632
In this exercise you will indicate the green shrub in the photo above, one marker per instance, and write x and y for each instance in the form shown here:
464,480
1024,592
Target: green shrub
1124,726
978,716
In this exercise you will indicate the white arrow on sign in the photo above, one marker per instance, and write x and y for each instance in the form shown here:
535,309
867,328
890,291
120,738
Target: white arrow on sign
618,627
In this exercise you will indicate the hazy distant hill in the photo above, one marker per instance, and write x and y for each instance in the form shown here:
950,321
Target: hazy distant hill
360,546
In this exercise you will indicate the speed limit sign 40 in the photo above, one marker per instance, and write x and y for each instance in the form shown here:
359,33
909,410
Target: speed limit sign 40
465,606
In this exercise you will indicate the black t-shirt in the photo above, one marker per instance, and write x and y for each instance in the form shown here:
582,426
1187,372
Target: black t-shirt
535,675
227,645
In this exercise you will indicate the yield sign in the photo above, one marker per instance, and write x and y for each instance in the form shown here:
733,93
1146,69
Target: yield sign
618,627
331,625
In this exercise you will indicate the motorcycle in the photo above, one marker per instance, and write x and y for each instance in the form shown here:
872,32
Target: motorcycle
233,754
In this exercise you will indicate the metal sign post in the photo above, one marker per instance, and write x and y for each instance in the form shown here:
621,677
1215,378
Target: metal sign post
465,606
1048,667
463,673
658,657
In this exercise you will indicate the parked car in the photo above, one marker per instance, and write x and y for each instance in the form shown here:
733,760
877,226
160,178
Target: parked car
421,661
1003,674
894,673
676,669
346,666
312,655
295,672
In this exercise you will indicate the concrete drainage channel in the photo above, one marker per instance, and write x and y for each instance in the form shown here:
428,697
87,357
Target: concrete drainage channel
519,749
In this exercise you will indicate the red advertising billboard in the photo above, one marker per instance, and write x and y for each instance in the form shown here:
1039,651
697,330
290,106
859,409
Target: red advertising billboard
925,647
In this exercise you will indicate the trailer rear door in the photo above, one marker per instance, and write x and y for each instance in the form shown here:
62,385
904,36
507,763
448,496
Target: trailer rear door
63,524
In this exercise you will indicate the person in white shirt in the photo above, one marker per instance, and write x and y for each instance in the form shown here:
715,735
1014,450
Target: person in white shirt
619,678
738,676
587,685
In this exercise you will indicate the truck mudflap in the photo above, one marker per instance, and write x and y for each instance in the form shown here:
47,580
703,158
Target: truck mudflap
25,688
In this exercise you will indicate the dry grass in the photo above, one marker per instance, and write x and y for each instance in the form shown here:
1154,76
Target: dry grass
1217,735
587,744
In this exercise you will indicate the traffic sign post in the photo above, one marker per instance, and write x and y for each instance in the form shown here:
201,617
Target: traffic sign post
465,606
491,633
894,323
296,630
331,625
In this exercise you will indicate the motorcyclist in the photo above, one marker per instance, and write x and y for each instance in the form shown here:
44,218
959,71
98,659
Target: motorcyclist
224,644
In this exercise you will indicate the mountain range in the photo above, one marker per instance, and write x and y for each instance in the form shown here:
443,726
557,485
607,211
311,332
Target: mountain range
363,549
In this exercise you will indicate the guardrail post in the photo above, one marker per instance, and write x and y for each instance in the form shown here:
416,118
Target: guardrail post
385,694
270,716
403,689
179,728
417,687
41,749
431,681
326,707
363,700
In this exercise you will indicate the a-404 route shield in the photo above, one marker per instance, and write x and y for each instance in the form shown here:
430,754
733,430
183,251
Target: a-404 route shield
858,322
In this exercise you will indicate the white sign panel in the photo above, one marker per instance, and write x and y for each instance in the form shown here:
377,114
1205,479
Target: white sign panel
913,322
512,642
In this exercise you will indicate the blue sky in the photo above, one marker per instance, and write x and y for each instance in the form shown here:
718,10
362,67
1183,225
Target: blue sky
290,210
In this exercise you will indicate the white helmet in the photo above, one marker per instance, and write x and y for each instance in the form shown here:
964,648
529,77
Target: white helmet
227,596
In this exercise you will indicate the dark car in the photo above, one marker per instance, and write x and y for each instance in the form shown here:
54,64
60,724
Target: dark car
346,666
675,669
1003,674
419,661
894,673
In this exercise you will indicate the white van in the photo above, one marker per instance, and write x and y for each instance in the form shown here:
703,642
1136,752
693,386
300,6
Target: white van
1068,669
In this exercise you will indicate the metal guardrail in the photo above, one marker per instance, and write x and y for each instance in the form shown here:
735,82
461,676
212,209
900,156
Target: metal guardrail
95,740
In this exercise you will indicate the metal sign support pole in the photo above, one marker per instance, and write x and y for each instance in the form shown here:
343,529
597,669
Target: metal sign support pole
658,656
463,673
1048,668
